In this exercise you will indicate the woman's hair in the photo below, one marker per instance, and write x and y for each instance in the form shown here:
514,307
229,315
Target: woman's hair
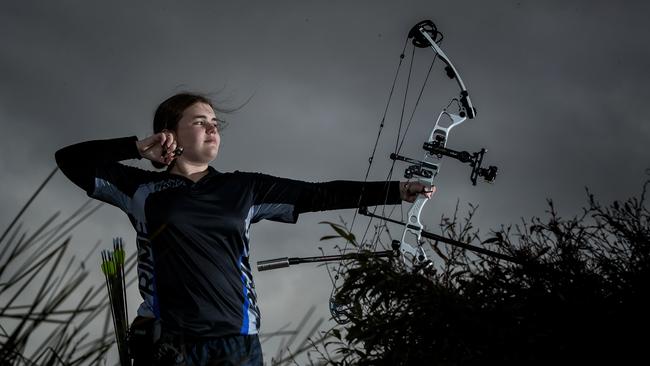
170,111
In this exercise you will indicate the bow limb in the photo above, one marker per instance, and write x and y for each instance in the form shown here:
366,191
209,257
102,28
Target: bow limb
425,34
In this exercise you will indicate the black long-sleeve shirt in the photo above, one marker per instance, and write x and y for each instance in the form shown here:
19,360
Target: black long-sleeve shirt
193,238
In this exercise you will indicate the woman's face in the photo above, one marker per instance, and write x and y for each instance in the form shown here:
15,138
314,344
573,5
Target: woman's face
198,135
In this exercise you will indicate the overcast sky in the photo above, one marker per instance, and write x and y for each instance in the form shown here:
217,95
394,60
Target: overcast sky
561,89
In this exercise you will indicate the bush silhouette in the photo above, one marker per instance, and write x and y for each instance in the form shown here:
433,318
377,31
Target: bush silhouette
581,295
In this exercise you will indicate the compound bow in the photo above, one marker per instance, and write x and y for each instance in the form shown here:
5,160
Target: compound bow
423,35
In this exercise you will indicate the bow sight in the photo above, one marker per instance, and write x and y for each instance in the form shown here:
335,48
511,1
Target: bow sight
437,148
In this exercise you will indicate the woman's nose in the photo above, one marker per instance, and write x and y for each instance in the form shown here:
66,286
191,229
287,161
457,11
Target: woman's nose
210,128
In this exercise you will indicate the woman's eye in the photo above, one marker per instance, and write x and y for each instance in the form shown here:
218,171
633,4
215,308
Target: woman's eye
216,125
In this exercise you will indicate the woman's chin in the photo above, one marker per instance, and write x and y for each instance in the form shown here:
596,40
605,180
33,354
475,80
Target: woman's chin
212,152
205,157
207,154
210,156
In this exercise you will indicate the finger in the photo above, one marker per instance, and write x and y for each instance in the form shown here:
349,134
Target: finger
170,140
174,150
163,138
420,188
163,150
168,143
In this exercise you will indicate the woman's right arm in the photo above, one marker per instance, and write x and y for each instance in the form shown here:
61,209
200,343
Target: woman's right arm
80,162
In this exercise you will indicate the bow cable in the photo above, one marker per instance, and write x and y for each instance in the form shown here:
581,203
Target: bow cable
398,148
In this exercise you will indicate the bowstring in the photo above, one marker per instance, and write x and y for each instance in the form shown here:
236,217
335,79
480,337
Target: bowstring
370,162
398,146
378,230
401,143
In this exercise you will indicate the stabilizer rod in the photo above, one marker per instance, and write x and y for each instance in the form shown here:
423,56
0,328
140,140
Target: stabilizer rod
425,234
270,264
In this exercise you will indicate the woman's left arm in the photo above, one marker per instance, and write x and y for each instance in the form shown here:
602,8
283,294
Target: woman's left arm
284,199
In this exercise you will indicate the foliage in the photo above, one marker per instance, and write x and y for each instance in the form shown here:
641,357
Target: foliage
581,295
48,306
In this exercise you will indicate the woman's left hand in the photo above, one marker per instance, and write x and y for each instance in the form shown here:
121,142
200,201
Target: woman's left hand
409,191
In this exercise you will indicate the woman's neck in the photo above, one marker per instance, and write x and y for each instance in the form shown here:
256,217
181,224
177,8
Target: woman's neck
191,171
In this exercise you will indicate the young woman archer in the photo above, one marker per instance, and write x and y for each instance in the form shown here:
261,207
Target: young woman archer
192,224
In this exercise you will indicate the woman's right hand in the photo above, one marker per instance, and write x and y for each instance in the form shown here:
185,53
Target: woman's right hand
159,147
